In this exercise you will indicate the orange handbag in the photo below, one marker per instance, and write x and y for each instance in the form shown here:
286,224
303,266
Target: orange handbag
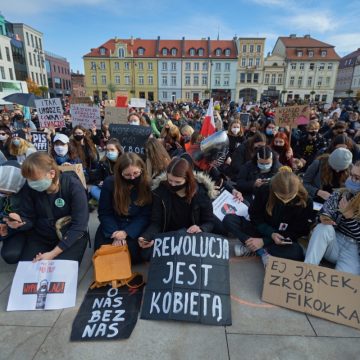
112,266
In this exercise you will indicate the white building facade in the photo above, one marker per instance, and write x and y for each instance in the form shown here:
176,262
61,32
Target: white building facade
7,70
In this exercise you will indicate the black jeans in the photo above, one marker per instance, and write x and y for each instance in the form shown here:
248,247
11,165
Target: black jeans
243,230
24,246
137,254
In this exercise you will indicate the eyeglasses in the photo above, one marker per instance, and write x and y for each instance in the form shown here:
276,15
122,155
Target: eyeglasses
132,176
354,177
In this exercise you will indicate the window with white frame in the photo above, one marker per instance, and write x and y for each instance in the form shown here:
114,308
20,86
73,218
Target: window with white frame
204,66
173,51
103,79
322,66
299,53
217,66
292,80
217,80
251,48
201,52
320,80
227,66
164,80
187,80
309,81
226,81
196,80
258,48
273,79
187,95
251,62
196,66
330,66
127,66
127,80
293,66
173,80
257,61
192,52
204,80
311,53
93,79
300,80
150,66
93,65
218,52
256,78
141,80
267,78
328,80
164,94
302,66
102,51
323,53
242,77
188,66
121,52
243,62
280,79
227,52
117,65
141,66
244,48
164,66
164,51
312,66
117,79
173,66
150,80
141,51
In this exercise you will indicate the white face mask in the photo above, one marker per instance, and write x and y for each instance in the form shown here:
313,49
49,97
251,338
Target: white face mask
61,150
135,123
159,116
235,131
3,137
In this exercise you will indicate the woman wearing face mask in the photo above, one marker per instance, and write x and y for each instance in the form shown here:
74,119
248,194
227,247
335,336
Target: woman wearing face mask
5,134
6,121
48,197
235,134
327,173
269,129
19,148
309,144
256,172
113,151
252,128
125,205
280,214
157,158
186,133
181,201
281,146
136,119
88,154
63,152
337,236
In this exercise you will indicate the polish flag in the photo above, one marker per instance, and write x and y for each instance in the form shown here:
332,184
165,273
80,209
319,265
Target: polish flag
208,126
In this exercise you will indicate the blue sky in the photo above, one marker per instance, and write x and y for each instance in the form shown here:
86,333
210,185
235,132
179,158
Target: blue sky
72,27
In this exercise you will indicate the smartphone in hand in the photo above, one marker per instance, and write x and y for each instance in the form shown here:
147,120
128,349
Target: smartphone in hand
287,241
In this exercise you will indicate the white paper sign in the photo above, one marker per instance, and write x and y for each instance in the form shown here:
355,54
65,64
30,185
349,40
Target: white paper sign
137,102
225,204
85,115
44,285
50,113
317,206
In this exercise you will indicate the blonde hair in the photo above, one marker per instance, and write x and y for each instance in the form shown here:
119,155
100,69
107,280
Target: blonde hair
21,149
313,125
286,183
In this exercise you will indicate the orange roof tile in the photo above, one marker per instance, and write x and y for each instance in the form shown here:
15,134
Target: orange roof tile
170,44
223,44
148,45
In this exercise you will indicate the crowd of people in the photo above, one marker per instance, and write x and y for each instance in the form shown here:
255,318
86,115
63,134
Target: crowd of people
278,172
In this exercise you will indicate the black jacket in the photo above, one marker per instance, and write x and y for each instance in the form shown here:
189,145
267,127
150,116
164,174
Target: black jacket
201,207
297,219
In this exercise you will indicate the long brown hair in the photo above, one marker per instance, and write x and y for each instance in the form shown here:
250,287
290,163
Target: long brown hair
249,149
122,189
180,167
156,157
286,183
241,132
87,142
328,175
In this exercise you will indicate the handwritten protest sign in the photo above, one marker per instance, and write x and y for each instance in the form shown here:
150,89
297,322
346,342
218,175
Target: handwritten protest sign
116,115
85,115
189,279
137,103
77,169
132,138
314,290
292,115
81,100
50,113
107,314
225,204
44,285
40,141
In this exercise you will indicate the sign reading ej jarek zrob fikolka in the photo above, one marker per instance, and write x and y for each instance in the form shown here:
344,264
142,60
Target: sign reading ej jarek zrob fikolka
189,279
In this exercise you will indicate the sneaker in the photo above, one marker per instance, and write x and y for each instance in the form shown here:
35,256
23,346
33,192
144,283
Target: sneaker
242,250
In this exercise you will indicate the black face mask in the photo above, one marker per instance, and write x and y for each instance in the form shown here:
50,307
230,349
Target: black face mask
78,137
176,188
18,117
312,133
134,182
278,148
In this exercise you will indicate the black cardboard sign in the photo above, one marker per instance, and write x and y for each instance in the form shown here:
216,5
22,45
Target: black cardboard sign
189,279
40,141
107,314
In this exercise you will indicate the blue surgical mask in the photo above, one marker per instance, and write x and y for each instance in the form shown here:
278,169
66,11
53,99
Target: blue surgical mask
269,132
112,155
16,142
352,186
40,185
264,167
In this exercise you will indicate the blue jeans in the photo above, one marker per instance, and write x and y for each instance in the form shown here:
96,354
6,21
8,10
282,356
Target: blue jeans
95,192
334,247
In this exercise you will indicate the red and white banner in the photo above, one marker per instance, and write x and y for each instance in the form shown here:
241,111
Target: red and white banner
208,126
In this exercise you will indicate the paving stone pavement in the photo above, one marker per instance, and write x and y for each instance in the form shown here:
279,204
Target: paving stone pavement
259,331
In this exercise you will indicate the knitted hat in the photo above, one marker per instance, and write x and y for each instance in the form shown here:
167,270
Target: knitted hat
340,159
11,179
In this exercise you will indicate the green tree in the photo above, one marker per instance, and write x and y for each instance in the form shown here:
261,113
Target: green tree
112,88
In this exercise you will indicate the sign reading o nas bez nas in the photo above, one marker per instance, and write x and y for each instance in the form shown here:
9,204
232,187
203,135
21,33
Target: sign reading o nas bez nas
189,279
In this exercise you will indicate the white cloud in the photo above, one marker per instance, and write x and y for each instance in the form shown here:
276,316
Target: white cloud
312,21
345,43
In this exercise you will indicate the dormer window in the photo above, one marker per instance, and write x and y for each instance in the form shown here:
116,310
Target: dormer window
164,51
102,51
141,51
311,53
218,52
323,53
121,53
201,52
173,51
192,52
227,52
299,53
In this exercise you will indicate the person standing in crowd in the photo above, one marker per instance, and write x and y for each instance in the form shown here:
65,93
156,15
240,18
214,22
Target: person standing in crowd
19,122
280,214
182,201
269,129
336,238
113,151
63,151
157,158
19,148
53,216
235,134
136,119
5,135
125,206
343,141
327,173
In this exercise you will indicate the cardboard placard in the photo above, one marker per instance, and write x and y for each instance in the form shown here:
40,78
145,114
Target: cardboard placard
40,141
188,279
109,103
107,314
132,137
85,115
314,290
225,204
116,115
244,119
44,285
137,103
50,113
81,100
292,115
122,101
78,169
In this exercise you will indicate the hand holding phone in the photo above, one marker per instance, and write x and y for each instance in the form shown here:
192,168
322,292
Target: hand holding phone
287,241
